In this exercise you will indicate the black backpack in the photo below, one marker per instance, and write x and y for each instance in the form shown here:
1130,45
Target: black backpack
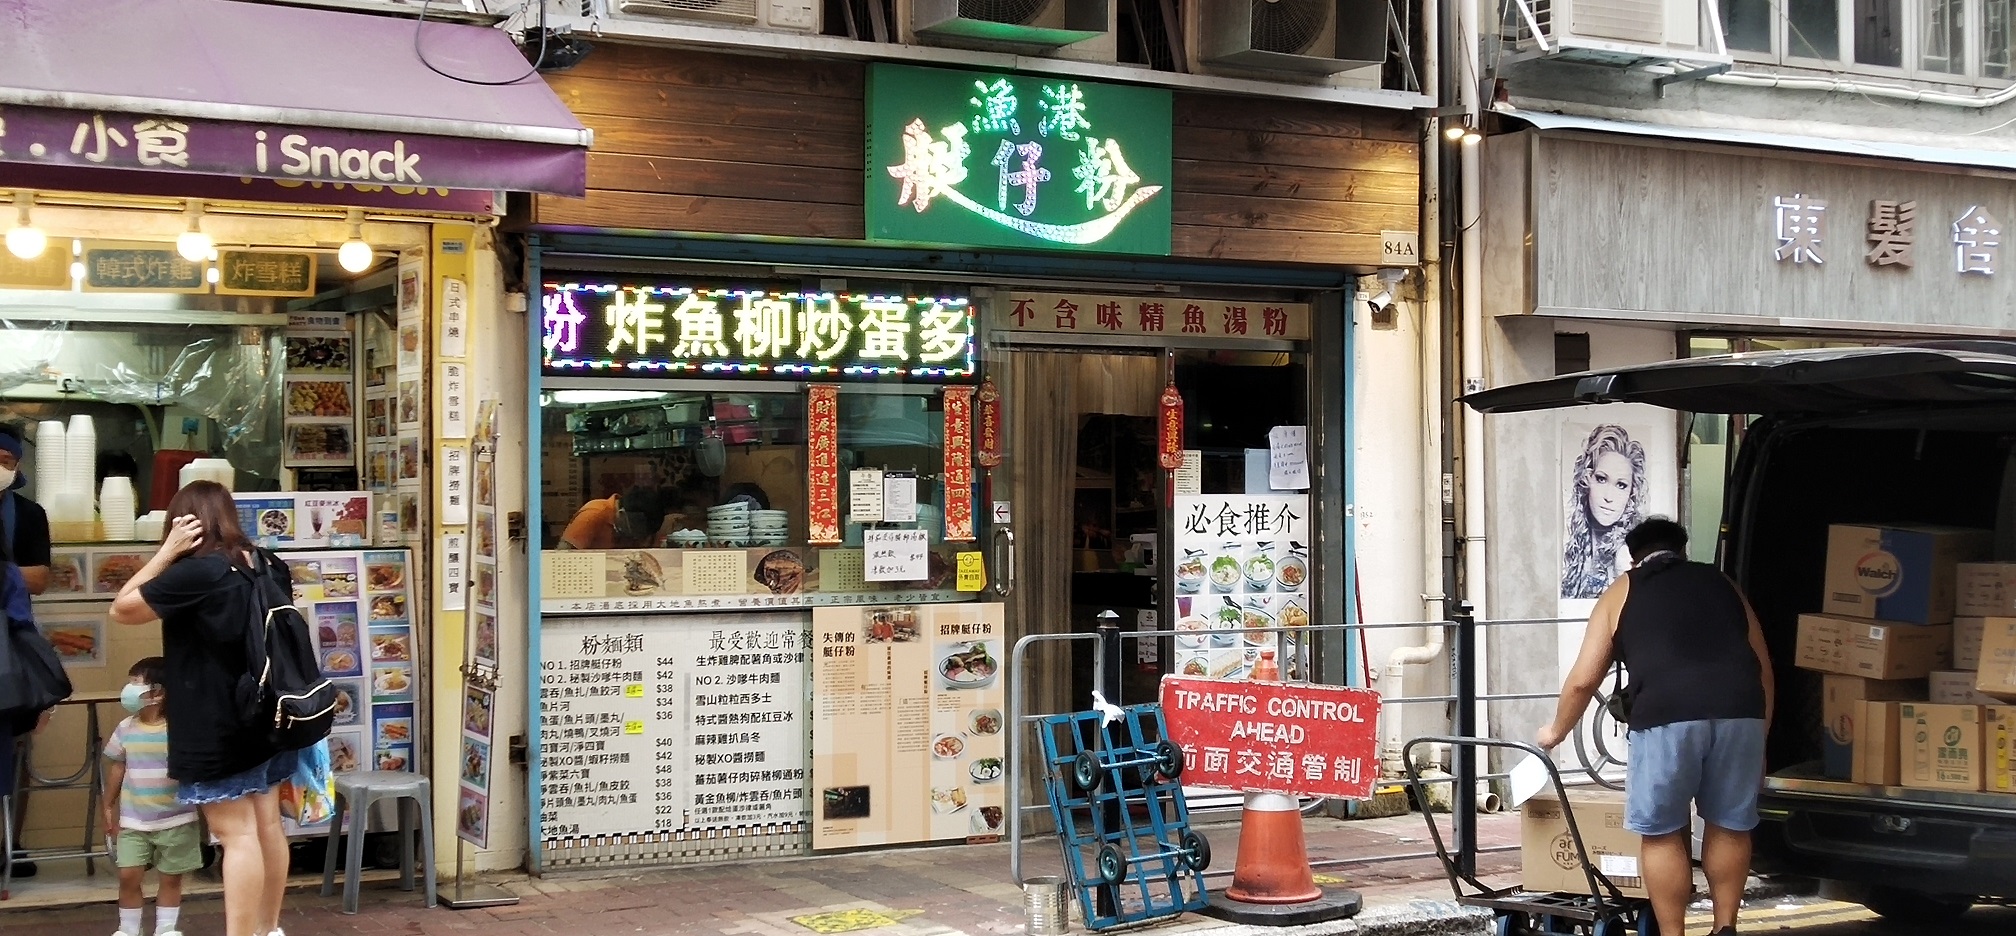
32,679
285,694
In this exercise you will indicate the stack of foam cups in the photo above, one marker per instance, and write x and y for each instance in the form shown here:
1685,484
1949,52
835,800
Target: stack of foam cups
117,504
80,463
49,460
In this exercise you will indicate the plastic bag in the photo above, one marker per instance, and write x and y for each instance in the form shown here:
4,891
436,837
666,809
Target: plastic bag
309,796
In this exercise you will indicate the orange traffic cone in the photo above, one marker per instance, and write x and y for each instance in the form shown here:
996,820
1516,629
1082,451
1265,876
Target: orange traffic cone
1273,863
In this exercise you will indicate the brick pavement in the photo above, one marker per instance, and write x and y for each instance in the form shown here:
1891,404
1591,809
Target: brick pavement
956,891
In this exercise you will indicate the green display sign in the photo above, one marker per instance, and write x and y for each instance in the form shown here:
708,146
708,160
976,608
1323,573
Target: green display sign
977,159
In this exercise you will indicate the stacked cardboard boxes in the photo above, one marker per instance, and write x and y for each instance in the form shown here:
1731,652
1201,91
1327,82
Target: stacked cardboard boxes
1886,637
1919,643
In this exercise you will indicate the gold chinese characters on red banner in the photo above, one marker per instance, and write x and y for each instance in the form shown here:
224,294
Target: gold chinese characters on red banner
1169,434
822,446
959,464
1166,316
989,454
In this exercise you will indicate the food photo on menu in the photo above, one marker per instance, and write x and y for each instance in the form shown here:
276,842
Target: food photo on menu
349,700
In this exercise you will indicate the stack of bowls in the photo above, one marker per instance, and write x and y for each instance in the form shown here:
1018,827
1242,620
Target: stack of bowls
769,527
728,525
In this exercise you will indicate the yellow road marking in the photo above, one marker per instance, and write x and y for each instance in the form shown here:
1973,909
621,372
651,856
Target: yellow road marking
1803,915
850,921
1329,881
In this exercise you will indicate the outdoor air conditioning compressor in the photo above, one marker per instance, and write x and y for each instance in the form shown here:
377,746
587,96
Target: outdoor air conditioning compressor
1319,37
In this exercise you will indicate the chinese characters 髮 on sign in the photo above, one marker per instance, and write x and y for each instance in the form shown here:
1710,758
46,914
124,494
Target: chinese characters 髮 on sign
687,330
1890,234
987,160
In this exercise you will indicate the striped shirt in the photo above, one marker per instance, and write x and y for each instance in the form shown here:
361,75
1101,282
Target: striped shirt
147,797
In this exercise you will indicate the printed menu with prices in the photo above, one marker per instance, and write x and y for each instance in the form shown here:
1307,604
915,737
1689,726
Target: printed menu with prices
653,724
1241,564
907,732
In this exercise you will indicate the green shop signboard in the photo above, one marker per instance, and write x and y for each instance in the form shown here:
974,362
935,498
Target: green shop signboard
977,159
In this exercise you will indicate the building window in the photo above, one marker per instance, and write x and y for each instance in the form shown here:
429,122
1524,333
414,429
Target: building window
1946,41
1879,33
1748,23
1998,34
1814,30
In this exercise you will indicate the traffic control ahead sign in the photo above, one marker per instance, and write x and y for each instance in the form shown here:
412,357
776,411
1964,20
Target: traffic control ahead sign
1270,737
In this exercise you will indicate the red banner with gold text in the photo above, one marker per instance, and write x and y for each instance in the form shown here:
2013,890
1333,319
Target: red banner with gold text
959,464
822,447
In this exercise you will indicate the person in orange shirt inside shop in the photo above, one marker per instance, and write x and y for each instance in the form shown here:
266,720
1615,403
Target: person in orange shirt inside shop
629,520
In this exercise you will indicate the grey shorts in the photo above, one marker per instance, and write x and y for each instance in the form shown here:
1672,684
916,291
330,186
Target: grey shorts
1715,766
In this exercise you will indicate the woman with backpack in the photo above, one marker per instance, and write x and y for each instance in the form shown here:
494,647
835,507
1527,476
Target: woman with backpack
200,585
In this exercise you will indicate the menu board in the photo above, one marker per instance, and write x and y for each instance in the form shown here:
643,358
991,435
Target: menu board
357,604
1240,563
908,743
306,520
653,724
635,580
319,416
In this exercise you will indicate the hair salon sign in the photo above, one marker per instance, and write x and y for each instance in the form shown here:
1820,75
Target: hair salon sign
979,159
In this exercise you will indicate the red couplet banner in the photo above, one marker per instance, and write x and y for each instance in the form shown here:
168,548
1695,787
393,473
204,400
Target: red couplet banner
1270,737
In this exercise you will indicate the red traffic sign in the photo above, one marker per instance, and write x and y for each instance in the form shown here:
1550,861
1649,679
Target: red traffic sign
1270,737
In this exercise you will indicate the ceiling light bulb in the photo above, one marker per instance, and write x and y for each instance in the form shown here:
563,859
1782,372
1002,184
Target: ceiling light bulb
355,254
1472,138
25,240
1455,132
193,244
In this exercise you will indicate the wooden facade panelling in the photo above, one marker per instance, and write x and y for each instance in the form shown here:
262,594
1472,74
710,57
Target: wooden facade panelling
712,143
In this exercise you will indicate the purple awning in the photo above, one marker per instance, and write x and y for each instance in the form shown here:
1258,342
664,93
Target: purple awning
219,87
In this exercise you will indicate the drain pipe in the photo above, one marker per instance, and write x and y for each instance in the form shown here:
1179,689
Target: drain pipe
1469,215
1430,355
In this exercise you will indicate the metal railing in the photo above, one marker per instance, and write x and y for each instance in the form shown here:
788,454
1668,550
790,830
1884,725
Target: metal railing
1109,650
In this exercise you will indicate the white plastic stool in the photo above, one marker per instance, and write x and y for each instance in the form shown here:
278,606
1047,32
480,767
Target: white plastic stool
355,792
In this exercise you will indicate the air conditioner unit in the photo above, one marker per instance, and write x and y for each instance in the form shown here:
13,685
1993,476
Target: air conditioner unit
1047,23
1316,37
1621,33
792,15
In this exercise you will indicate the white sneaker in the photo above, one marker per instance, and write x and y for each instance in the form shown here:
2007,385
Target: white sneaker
124,933
169,933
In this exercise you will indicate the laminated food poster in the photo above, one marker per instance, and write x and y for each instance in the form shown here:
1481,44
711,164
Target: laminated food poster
908,739
1241,564
355,604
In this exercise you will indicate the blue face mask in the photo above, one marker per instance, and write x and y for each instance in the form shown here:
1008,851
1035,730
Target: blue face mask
134,697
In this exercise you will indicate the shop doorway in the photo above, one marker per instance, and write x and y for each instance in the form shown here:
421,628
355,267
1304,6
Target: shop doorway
1093,509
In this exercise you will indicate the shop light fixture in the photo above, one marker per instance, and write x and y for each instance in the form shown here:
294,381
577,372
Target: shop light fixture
355,255
193,244
25,240
1455,131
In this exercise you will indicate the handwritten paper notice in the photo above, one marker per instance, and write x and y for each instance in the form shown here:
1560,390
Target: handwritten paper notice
895,555
864,495
1288,458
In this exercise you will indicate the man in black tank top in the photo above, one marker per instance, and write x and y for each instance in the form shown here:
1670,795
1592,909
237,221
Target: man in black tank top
1700,701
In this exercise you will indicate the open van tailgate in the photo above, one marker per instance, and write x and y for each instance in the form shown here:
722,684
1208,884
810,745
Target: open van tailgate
1931,841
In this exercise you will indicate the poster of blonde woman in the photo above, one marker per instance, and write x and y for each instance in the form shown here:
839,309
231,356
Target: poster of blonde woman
1617,466
1607,489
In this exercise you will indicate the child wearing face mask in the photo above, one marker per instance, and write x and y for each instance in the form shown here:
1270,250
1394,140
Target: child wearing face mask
149,828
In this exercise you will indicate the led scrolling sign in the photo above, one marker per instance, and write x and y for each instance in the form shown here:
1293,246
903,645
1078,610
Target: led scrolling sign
694,331
988,160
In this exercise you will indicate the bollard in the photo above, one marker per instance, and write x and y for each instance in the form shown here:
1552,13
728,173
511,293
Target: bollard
1045,906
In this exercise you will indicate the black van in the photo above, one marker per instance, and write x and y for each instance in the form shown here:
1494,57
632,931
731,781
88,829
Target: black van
1922,433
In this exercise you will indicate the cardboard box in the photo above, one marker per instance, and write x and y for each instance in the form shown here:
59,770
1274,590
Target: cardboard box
1942,747
1548,860
1956,687
1998,658
1967,633
1986,589
1904,574
1872,650
1999,725
1876,743
1842,701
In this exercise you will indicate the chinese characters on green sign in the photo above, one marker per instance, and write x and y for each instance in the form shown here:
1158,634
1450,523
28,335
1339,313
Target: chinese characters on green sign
984,160
631,330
